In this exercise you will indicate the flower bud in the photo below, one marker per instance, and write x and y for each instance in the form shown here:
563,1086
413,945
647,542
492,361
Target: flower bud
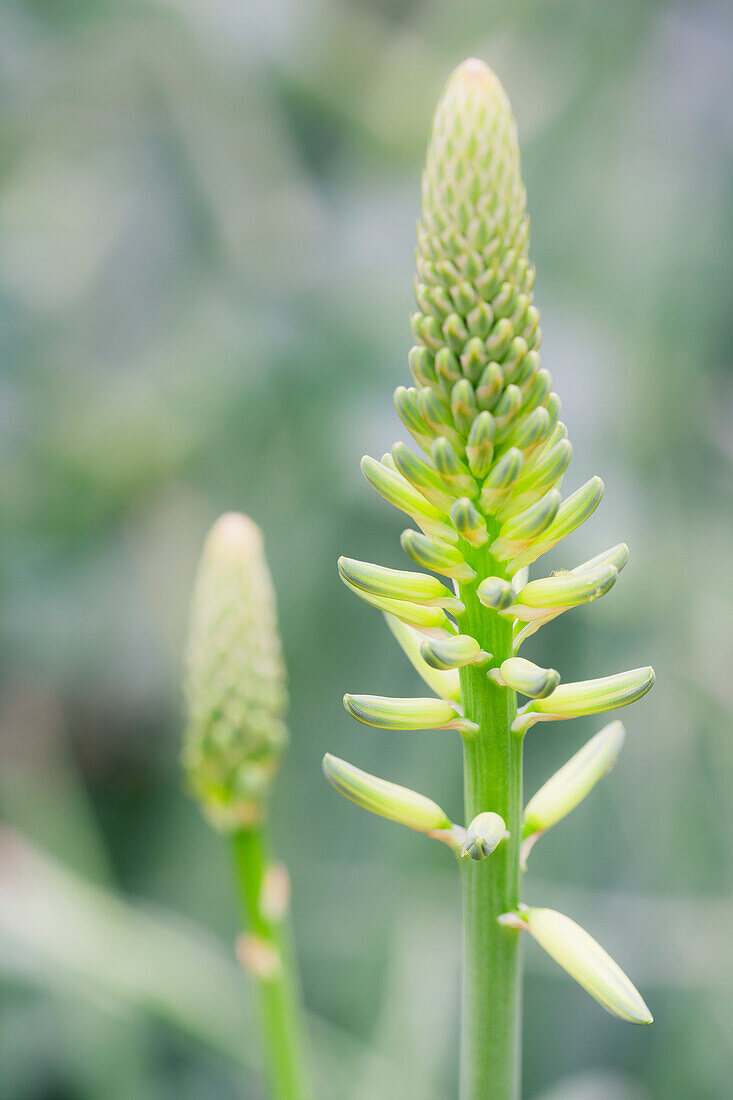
586,697
584,960
397,491
450,652
550,596
573,511
468,522
235,678
501,479
489,387
386,799
437,555
480,445
422,476
454,473
523,528
576,779
397,584
495,593
406,404
407,714
445,683
422,367
463,406
526,677
484,835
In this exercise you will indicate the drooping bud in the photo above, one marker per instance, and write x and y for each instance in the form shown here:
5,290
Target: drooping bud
451,652
407,714
445,683
397,491
586,697
423,616
389,800
526,677
437,555
584,960
235,678
397,584
570,785
495,592
484,835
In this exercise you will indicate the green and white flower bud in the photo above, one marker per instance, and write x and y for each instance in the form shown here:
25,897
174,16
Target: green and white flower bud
451,652
570,785
525,677
423,477
484,835
468,522
423,616
389,800
573,512
463,406
542,600
550,596
407,714
489,386
525,527
532,432
584,960
499,482
436,555
543,470
397,491
235,677
480,445
446,683
397,584
408,410
455,474
437,415
422,366
447,366
586,697
505,411
617,556
496,593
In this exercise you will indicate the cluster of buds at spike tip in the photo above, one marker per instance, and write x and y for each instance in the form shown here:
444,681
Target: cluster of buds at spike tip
235,678
482,483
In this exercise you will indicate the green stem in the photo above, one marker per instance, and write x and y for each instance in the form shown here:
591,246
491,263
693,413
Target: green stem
491,1027
268,954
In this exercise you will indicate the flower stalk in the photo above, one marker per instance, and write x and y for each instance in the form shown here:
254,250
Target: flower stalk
486,495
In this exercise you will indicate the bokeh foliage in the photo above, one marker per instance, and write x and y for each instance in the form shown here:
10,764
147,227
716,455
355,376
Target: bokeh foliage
206,255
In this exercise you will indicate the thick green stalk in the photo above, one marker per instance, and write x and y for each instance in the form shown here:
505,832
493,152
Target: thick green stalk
491,1027
267,953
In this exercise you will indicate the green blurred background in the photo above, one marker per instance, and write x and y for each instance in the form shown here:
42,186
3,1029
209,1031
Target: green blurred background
206,234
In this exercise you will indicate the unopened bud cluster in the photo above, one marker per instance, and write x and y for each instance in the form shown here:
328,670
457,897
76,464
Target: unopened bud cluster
235,678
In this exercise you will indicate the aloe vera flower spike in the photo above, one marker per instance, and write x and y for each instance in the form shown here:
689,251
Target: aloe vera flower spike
483,485
235,737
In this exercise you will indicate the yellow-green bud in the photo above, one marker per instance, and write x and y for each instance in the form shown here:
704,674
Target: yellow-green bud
235,682
585,960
